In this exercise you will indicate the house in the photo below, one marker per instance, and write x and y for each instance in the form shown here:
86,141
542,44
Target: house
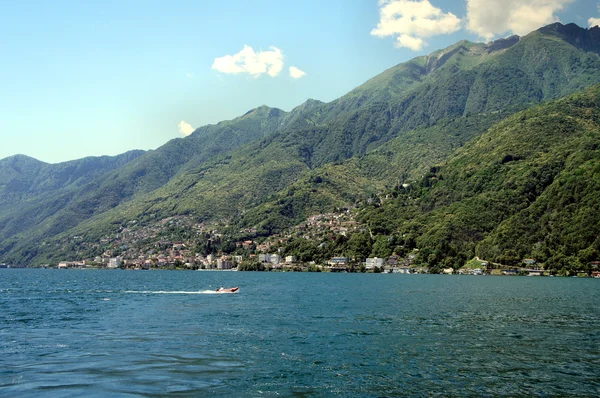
290,259
448,271
393,260
401,270
371,263
477,271
224,264
264,258
510,272
275,259
529,261
71,264
335,261
114,262
338,264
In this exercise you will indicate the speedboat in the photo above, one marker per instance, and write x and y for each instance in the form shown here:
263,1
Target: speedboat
227,289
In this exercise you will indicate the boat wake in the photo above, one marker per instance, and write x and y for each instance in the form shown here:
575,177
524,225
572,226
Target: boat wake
171,292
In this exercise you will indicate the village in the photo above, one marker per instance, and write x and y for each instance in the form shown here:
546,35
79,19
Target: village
153,248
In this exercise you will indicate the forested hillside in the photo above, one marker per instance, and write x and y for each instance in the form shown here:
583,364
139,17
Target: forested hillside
527,188
269,169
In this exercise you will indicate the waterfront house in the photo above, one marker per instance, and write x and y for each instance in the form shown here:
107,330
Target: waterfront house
71,264
371,263
114,262
393,260
535,273
224,264
338,261
338,264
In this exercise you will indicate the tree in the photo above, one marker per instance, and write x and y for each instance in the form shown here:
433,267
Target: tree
360,245
382,247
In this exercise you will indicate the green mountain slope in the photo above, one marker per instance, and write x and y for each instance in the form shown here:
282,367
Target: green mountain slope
24,178
528,187
270,168
52,212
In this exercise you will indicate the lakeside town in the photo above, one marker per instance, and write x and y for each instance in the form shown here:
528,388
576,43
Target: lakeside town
202,246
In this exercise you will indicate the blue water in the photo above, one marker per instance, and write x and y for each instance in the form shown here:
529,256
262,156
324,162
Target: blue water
135,333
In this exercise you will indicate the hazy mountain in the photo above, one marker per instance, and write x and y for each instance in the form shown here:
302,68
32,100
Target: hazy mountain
23,178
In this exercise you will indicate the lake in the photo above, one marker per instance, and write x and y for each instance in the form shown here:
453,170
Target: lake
153,333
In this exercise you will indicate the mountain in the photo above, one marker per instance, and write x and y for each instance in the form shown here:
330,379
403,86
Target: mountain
269,169
23,178
527,188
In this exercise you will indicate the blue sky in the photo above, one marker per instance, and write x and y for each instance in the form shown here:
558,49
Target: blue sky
90,78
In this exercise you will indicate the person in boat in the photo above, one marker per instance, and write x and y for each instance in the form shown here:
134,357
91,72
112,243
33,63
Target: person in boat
220,289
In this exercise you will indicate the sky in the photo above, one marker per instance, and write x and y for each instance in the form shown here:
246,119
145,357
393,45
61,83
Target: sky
92,78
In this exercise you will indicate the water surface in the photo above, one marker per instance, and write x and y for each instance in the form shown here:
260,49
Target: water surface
136,333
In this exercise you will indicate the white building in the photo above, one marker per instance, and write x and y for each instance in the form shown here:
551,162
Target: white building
114,262
71,264
290,259
371,263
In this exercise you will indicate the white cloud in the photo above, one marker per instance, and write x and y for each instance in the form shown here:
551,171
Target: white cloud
411,21
594,21
251,62
490,18
296,73
414,43
185,128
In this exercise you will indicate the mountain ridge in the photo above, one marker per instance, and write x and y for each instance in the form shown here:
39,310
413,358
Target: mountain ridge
230,169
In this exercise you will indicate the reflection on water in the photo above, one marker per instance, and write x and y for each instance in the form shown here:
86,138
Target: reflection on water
86,333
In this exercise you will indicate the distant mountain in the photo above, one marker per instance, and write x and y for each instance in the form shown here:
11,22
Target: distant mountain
269,168
52,212
24,178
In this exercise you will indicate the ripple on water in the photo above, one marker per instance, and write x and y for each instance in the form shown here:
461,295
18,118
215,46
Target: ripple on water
81,334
